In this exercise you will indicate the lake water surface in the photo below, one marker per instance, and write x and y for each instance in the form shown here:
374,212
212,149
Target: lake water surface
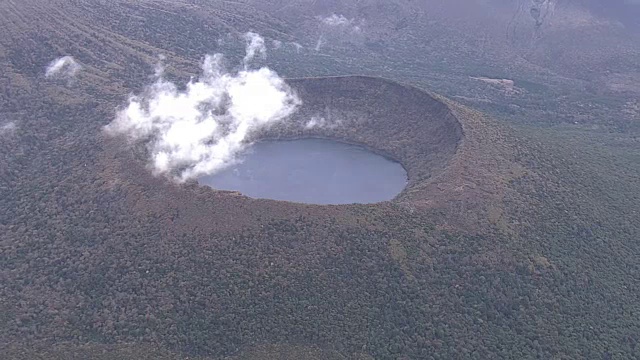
313,171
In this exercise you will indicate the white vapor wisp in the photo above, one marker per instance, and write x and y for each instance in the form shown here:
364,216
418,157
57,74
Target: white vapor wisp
336,20
322,122
7,128
315,122
202,129
341,22
255,47
65,66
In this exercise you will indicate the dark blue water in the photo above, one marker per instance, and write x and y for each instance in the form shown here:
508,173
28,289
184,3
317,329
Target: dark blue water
313,171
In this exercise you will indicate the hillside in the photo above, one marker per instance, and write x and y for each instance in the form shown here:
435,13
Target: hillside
576,68
512,240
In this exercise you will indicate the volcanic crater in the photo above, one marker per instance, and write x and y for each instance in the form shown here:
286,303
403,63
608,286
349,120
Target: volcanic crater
399,122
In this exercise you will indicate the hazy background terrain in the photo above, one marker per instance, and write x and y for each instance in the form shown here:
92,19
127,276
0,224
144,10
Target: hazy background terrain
588,48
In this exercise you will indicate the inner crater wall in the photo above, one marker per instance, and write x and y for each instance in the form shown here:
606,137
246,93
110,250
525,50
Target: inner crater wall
398,121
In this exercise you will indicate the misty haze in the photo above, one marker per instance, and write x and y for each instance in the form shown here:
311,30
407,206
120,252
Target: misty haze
312,171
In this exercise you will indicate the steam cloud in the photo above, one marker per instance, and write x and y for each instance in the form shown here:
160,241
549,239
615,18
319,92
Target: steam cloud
65,66
319,44
202,129
337,27
340,21
298,47
336,20
322,122
7,128
255,47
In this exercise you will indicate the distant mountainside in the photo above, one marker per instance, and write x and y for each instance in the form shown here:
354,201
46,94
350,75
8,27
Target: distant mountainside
516,237
570,54
505,26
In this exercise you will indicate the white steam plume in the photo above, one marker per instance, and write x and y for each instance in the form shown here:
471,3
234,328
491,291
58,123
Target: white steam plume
341,22
255,47
322,122
202,129
338,28
297,46
336,20
65,66
315,122
319,43
7,128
